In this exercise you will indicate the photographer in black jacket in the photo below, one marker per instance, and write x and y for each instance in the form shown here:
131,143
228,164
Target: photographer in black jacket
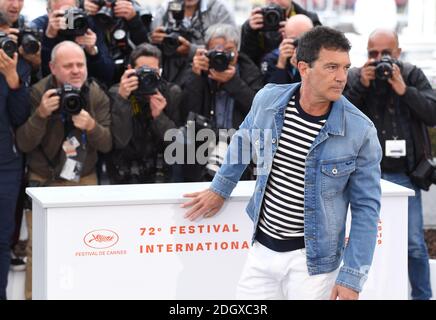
255,41
221,84
400,101
144,107
125,26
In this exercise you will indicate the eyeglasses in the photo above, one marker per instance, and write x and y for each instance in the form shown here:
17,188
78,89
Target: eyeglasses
374,53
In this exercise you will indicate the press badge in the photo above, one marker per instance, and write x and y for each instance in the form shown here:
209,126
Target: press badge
395,148
75,158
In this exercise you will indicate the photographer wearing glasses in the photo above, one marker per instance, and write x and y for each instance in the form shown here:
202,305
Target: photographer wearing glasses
179,28
221,85
65,21
14,111
70,122
125,25
400,101
263,31
144,107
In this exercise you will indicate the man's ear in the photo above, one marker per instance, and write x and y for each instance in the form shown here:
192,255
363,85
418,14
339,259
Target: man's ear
303,68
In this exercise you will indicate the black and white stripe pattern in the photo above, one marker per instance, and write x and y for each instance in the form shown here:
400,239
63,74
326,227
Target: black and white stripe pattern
282,215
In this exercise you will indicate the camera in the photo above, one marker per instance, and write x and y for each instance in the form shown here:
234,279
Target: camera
384,68
29,39
77,23
219,60
72,101
105,15
8,45
149,81
177,10
170,43
272,16
424,174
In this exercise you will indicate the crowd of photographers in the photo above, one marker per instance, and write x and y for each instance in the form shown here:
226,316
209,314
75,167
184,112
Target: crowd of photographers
89,91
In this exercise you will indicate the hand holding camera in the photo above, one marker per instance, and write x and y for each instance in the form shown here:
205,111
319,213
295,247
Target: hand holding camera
222,76
8,67
83,121
184,46
129,83
56,21
88,41
256,19
157,104
397,81
124,9
158,35
286,51
91,7
49,103
200,62
367,73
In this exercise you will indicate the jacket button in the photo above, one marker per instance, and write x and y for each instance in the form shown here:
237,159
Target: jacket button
335,171
274,140
256,142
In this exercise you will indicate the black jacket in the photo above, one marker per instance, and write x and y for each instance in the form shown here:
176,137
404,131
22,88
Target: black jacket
256,44
137,137
242,88
416,109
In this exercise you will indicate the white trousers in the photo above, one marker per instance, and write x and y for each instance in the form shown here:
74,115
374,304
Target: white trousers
268,274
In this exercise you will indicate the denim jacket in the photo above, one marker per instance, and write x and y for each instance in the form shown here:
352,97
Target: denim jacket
342,170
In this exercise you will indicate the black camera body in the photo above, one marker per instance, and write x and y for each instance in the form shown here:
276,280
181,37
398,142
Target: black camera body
219,60
105,15
8,45
29,39
71,99
272,16
77,23
424,174
384,68
149,81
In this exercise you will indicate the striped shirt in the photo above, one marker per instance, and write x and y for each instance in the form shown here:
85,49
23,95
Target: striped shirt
281,224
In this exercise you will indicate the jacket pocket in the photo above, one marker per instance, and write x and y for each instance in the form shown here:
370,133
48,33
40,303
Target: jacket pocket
335,174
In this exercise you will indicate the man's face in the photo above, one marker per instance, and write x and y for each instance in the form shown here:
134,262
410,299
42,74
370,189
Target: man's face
69,66
150,62
383,44
12,9
221,44
327,77
285,4
62,4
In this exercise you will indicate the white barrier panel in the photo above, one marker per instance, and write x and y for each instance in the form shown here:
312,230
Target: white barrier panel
132,242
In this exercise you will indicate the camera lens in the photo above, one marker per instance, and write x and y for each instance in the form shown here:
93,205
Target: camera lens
30,44
72,104
8,46
105,16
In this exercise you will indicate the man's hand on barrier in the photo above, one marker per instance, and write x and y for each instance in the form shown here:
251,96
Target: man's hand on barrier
205,203
343,293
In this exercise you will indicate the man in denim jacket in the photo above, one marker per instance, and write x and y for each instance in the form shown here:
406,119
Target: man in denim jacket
316,155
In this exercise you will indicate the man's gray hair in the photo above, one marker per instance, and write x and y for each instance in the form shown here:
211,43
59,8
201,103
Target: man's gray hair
49,2
62,44
221,30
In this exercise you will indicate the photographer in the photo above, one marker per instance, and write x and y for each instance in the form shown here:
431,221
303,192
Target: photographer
400,101
144,108
121,21
185,23
14,111
12,9
65,21
256,42
224,96
278,66
70,122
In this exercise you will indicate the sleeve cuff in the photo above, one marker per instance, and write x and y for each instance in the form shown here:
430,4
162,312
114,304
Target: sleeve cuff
351,278
222,186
